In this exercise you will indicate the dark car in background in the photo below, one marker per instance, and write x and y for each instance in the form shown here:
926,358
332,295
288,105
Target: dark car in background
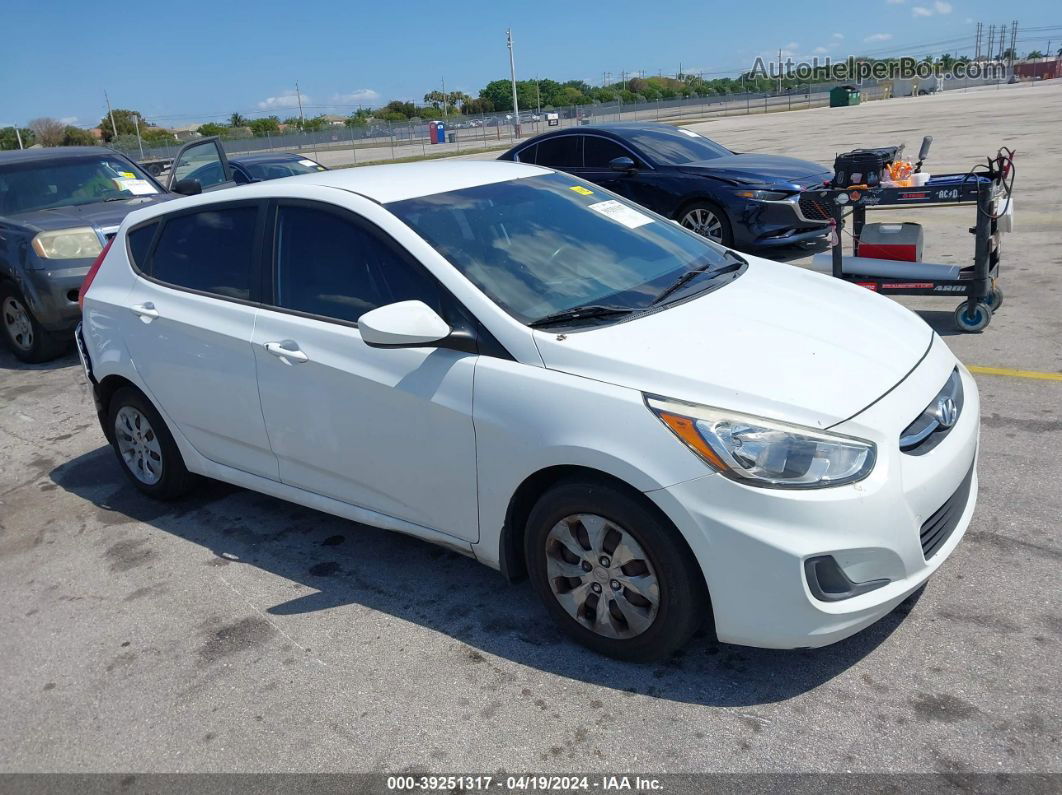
258,168
58,209
746,201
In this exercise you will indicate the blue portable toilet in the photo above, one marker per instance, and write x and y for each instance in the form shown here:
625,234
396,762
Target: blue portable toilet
440,132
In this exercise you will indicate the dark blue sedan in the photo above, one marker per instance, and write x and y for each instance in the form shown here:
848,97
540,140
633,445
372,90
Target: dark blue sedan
747,201
256,168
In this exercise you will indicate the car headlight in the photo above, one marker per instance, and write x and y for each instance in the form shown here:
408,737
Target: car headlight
762,195
79,243
766,453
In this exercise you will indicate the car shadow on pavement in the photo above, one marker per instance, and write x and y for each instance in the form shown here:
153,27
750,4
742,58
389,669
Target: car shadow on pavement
9,362
345,563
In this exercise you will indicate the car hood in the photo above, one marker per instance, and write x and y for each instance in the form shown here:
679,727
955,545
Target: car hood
101,215
759,168
778,342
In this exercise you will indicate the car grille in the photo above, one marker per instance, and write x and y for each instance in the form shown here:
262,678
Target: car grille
813,206
938,528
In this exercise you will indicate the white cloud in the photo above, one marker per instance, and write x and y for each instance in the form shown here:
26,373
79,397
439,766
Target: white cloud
878,37
69,120
895,2
288,99
838,35
969,20
942,7
820,50
921,11
357,96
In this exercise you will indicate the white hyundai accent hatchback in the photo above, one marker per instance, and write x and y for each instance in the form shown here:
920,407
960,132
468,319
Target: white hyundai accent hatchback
533,371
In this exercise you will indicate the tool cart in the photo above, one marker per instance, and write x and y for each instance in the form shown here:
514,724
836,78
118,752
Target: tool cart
987,187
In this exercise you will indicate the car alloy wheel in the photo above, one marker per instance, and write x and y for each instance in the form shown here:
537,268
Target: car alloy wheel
18,323
601,576
138,445
704,222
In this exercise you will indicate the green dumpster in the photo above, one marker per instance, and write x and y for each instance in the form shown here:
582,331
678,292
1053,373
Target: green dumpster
843,96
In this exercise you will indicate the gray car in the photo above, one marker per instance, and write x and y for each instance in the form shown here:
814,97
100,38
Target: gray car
58,209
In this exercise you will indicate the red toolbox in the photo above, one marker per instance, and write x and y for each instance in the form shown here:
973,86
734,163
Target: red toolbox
901,241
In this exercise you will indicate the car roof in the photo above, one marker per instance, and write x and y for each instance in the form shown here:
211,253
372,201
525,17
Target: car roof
55,153
396,182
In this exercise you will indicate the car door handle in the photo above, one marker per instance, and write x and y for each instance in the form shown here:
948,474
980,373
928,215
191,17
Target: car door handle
146,310
287,350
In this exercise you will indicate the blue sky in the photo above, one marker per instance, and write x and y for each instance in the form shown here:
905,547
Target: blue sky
195,61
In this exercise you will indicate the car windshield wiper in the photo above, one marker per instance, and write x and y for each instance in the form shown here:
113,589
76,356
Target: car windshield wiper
689,276
585,312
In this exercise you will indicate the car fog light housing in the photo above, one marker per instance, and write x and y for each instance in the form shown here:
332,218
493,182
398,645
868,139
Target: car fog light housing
765,453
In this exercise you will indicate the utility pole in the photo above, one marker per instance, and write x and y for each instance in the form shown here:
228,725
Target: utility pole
512,74
779,71
114,127
298,96
445,101
139,142
18,135
991,40
1013,44
977,42
1002,40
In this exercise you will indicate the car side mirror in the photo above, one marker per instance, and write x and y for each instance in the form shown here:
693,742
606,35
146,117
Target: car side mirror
188,187
406,324
624,164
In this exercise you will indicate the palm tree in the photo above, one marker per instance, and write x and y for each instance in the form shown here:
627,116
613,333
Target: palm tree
236,120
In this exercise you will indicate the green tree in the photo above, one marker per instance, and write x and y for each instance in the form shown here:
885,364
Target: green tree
1035,54
157,136
315,124
9,138
125,120
75,136
267,125
236,120
436,99
212,128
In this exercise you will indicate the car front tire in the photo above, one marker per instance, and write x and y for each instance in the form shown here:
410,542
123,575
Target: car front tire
708,220
28,340
612,572
145,448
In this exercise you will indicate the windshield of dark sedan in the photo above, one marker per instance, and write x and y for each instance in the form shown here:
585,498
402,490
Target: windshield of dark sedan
66,182
545,244
283,168
675,147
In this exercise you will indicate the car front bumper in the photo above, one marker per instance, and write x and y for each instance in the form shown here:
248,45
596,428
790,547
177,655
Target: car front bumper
770,224
752,543
52,295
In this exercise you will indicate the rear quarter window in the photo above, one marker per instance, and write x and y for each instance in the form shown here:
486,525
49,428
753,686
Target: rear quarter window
139,241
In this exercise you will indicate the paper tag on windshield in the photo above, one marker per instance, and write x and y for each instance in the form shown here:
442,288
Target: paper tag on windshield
627,216
308,163
138,187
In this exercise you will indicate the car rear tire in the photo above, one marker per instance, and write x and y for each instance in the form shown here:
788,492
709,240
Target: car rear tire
615,575
28,340
145,448
707,220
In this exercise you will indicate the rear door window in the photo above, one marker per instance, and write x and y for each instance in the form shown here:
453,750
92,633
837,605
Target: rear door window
139,242
565,151
211,251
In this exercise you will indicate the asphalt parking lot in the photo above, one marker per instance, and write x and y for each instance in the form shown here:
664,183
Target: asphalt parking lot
233,631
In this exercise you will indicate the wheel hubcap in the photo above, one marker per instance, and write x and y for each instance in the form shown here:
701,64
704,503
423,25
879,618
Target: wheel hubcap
704,222
584,554
18,323
138,445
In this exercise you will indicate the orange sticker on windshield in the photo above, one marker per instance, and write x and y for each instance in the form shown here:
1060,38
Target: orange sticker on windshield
581,190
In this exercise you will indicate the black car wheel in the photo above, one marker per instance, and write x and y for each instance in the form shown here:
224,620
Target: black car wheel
708,220
613,573
28,340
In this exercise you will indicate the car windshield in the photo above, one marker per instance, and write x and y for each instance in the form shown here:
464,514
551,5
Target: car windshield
675,147
66,182
543,245
284,168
